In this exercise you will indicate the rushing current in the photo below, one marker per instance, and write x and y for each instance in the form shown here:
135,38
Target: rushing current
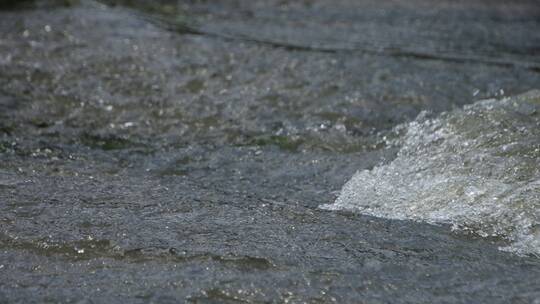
476,168
177,151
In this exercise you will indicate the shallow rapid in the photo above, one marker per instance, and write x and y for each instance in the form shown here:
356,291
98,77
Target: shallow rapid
178,151
476,168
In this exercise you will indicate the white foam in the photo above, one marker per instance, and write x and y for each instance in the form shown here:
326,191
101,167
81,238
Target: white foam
477,168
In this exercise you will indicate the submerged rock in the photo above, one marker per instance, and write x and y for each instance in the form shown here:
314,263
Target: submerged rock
477,168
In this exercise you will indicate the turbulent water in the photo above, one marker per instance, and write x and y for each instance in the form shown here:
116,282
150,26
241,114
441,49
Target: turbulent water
177,151
477,168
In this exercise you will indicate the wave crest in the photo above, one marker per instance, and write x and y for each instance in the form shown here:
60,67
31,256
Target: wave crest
477,168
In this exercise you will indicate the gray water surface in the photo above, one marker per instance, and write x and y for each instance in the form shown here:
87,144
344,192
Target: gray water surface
178,151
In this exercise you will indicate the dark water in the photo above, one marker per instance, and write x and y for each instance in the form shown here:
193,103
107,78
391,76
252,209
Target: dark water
177,151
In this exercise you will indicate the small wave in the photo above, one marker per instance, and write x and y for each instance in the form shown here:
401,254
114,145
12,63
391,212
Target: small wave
476,168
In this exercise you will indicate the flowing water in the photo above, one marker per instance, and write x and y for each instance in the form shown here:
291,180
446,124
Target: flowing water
476,168
179,151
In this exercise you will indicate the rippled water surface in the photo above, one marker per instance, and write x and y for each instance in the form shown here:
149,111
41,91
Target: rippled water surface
178,151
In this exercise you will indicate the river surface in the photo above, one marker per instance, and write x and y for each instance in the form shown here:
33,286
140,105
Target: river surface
269,151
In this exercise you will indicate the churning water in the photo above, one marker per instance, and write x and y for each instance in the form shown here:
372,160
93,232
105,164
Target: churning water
177,151
477,168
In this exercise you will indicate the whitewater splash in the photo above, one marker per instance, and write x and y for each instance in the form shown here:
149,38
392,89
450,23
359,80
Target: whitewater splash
477,168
